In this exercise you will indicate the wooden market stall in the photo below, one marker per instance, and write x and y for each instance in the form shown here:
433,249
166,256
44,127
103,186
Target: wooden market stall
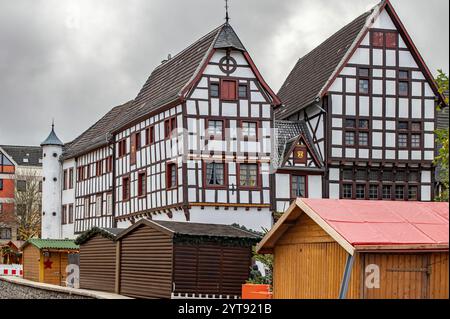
10,252
161,259
329,249
98,258
45,260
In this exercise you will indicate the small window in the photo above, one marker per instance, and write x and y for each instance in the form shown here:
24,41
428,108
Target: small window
413,193
347,174
350,138
403,126
64,215
214,90
109,204
215,128
361,174
98,205
387,192
71,178
248,175
228,90
142,184
363,139
215,174
360,191
169,126
400,176
249,129
350,123
99,168
403,88
373,192
413,176
150,133
388,176
400,192
71,214
87,207
122,148
378,39
171,175
374,175
415,140
363,86
125,189
363,124
364,72
416,126
391,40
243,91
298,186
348,191
403,140
138,141
403,75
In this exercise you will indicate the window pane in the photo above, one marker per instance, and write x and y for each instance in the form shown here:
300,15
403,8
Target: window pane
299,186
243,91
360,191
416,126
214,89
249,129
349,138
373,192
387,192
415,140
350,123
364,72
215,128
400,192
402,140
348,174
363,124
215,174
363,139
403,75
348,191
364,86
388,176
403,126
413,176
249,175
361,174
403,88
413,193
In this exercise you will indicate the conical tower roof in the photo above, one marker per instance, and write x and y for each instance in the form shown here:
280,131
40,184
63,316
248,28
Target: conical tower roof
52,139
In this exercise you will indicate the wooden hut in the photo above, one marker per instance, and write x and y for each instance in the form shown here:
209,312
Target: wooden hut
98,259
329,249
160,259
10,252
45,260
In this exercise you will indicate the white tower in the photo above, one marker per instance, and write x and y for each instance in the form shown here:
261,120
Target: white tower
52,149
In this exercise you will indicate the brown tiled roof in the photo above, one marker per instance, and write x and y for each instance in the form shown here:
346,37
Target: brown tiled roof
99,133
167,82
312,71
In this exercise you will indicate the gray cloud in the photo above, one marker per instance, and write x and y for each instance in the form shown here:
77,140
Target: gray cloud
73,60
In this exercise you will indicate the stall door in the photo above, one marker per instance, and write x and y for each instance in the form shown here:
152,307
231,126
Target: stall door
401,276
54,268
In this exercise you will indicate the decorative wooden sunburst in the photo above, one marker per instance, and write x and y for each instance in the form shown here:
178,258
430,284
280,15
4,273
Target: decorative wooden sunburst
228,65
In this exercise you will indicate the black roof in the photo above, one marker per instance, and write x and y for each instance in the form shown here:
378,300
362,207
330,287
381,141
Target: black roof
24,155
99,134
210,230
168,81
52,139
110,233
312,72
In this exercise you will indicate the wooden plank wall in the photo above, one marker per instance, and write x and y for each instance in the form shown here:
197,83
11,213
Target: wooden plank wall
211,269
309,264
56,275
98,264
31,262
439,280
146,264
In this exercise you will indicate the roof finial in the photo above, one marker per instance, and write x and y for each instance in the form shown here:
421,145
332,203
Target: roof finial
53,124
227,17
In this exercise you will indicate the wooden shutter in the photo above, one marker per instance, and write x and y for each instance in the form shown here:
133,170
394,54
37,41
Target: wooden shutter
228,90
391,40
133,149
378,39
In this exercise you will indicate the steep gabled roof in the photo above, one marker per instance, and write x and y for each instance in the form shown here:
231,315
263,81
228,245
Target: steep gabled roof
288,135
315,72
171,81
24,155
98,134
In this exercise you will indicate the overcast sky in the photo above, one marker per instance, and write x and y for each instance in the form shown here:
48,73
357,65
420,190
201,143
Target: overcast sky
73,60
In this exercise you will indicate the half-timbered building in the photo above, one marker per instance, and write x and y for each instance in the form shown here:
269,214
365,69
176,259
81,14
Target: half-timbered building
368,101
197,146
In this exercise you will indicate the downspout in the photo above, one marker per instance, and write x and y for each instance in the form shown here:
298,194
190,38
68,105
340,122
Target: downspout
112,146
346,277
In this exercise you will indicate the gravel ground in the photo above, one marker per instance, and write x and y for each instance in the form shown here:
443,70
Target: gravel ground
13,291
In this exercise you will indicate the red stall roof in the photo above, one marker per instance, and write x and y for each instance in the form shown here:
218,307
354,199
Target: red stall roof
360,225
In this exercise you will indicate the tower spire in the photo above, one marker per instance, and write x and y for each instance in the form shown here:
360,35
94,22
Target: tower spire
227,16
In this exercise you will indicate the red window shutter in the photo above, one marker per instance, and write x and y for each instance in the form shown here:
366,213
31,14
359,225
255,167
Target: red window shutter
391,40
228,90
167,128
133,149
378,39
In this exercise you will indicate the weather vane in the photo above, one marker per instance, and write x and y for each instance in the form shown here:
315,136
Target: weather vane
227,17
